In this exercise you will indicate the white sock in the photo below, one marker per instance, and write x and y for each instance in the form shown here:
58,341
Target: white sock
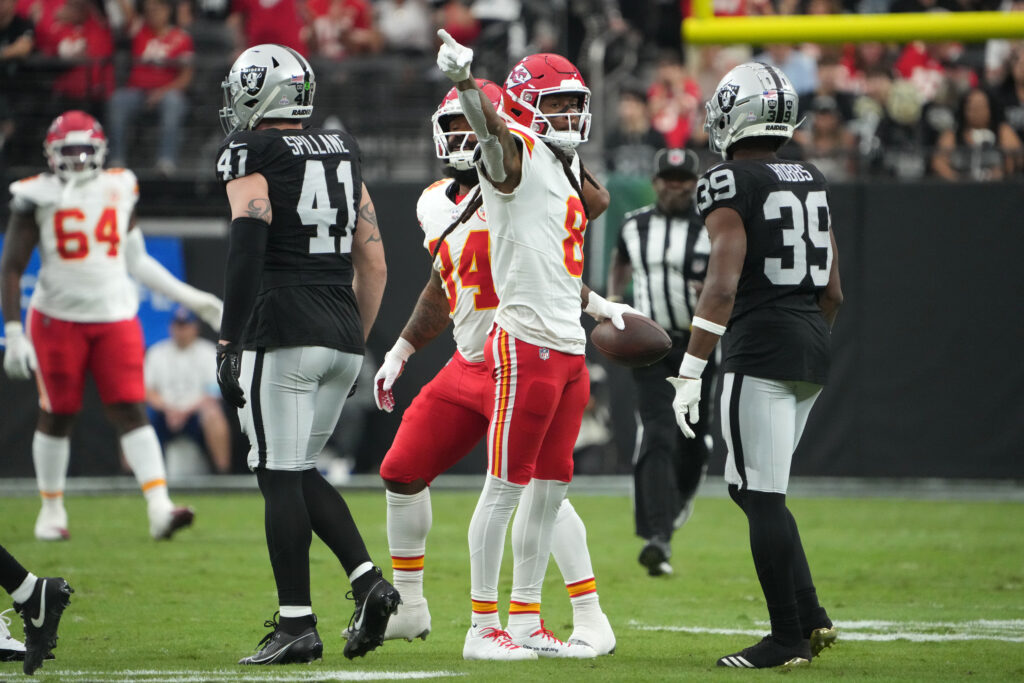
293,611
142,451
24,591
51,454
359,571
409,520
487,531
573,559
532,536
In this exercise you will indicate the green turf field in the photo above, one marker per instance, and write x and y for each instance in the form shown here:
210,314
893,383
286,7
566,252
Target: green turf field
920,590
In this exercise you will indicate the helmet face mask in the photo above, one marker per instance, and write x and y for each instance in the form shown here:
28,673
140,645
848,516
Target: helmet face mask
75,146
266,82
752,100
457,148
543,75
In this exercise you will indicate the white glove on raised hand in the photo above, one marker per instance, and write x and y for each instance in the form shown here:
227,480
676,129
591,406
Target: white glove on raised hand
600,308
394,363
685,403
453,59
20,357
209,308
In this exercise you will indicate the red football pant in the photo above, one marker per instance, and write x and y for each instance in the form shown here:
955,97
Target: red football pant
111,352
539,398
442,424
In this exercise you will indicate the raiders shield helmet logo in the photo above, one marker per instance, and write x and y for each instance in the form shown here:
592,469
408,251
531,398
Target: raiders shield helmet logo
727,97
252,79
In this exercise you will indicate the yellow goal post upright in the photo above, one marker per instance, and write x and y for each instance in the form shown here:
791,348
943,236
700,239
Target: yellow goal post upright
703,28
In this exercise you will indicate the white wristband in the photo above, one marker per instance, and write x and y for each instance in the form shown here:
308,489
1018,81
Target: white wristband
708,326
402,349
13,328
692,366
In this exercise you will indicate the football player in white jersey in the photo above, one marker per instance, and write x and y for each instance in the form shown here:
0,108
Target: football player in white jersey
537,213
450,415
82,315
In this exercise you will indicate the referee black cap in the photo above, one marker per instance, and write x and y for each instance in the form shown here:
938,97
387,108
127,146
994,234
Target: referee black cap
675,161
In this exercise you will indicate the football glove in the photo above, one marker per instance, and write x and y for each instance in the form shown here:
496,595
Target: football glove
390,370
600,308
20,357
228,368
453,59
685,404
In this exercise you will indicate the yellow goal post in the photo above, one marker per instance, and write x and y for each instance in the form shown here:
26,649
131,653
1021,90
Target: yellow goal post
706,29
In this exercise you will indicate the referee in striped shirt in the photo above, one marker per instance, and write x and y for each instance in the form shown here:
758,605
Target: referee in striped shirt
664,248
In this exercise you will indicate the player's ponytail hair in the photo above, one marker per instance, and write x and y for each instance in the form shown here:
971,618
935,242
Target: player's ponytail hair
472,204
573,180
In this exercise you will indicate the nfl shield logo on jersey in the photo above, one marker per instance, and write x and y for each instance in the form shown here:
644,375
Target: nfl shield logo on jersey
727,97
545,354
252,79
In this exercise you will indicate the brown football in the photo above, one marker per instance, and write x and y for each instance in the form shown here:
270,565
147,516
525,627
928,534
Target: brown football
642,343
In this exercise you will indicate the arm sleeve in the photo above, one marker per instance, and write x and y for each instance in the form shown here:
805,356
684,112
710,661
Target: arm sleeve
152,274
243,274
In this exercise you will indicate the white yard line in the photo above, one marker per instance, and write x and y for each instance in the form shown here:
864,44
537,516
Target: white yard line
1007,631
249,674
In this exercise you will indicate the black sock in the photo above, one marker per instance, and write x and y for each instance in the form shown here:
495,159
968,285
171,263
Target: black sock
771,545
288,534
332,521
812,615
293,626
12,574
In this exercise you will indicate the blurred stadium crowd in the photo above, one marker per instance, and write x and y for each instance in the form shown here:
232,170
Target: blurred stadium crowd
150,71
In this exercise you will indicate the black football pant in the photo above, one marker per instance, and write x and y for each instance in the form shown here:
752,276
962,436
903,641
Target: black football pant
12,574
668,467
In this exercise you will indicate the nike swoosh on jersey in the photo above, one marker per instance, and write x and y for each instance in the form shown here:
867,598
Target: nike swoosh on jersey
38,621
234,145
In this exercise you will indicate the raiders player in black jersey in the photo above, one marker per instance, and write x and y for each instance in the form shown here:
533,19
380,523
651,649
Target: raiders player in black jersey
303,284
772,292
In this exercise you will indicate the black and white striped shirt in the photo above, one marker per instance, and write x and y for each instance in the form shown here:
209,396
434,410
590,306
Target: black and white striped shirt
668,255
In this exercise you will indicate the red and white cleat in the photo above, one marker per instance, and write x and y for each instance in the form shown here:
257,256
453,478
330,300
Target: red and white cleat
163,526
545,644
493,644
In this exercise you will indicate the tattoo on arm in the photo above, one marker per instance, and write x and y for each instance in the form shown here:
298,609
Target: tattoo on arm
428,319
259,209
369,215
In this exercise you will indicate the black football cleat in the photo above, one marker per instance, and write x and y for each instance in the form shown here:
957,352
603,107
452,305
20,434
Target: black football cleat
655,556
370,620
822,638
41,614
279,647
769,654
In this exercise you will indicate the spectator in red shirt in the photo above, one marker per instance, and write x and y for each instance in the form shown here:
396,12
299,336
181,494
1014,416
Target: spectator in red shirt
256,22
161,73
343,27
79,37
674,99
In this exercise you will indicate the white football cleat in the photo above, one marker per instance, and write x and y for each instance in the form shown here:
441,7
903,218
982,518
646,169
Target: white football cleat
410,622
594,633
163,522
52,523
545,644
11,649
493,644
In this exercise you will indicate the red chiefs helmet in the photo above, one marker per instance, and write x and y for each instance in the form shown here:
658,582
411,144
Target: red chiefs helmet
75,146
546,74
455,147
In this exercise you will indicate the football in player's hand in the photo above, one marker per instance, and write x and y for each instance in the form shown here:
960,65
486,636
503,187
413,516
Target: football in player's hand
642,343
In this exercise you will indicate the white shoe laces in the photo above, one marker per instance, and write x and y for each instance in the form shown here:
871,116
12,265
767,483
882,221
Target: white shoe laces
5,623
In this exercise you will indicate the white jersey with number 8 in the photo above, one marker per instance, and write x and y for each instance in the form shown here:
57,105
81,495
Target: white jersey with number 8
83,276
537,250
